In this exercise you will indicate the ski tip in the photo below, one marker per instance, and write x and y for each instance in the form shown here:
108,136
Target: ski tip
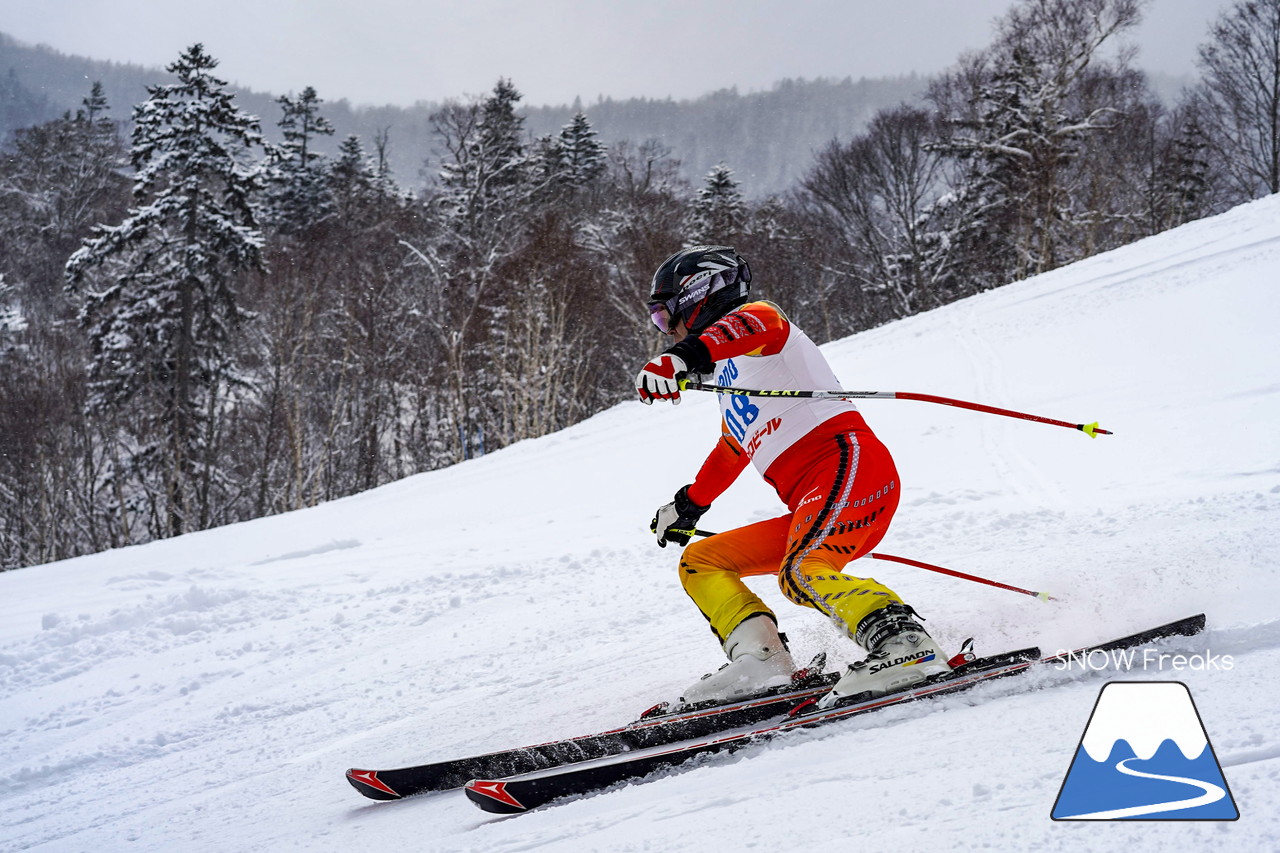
368,783
659,710
1195,624
492,796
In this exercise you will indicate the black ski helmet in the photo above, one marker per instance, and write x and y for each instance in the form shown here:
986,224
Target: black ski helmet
699,285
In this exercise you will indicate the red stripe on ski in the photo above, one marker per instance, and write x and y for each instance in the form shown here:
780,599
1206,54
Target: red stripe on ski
495,791
370,778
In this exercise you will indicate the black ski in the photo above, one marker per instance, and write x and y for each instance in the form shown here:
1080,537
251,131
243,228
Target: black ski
653,729
643,734
530,790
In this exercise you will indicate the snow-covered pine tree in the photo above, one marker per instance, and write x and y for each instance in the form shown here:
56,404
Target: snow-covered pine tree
546,164
1187,182
1018,122
718,213
582,155
159,288
295,173
350,179
501,135
95,109
565,164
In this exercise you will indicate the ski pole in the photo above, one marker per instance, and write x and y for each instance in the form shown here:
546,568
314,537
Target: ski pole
1043,596
1092,430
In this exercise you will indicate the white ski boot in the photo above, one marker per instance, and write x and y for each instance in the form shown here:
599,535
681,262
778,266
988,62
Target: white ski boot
901,654
758,661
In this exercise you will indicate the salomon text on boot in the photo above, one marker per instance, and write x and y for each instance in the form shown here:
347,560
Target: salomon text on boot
901,654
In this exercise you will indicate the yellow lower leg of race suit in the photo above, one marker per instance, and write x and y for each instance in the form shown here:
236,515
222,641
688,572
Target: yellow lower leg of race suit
840,509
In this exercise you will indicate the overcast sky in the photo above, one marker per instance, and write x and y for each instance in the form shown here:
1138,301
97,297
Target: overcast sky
402,51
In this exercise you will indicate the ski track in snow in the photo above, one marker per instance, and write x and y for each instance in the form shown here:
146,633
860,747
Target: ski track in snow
207,693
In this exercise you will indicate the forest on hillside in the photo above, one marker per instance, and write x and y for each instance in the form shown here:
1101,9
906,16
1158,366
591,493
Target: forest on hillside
787,123
204,321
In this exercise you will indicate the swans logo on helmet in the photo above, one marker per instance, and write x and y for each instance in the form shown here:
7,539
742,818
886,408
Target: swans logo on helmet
696,287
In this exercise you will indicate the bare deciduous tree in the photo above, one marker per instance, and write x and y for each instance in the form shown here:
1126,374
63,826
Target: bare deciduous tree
1241,89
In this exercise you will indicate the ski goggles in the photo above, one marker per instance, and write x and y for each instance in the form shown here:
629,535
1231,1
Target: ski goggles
661,316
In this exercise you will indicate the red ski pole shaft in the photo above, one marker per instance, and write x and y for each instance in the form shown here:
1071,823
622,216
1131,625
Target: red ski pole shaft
1092,430
1043,596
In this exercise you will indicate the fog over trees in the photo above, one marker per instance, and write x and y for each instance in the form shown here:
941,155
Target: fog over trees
207,316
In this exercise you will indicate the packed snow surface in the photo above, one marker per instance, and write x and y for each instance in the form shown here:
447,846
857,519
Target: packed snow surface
208,692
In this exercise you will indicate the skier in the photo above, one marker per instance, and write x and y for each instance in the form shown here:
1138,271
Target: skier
837,480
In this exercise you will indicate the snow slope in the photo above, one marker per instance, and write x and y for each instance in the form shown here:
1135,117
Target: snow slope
207,692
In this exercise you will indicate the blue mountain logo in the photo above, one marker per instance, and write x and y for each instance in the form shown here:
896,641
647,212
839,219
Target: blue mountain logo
1145,755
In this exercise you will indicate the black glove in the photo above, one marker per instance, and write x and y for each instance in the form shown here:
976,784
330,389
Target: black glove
677,521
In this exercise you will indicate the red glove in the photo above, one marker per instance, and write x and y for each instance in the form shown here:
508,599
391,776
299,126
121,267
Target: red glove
660,379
